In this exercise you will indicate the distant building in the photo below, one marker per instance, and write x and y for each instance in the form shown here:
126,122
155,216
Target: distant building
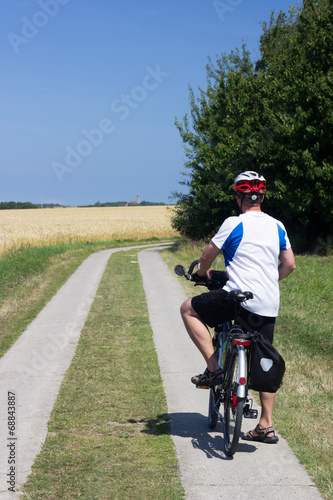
133,202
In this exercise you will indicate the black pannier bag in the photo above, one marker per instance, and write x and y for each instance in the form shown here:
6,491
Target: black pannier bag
267,366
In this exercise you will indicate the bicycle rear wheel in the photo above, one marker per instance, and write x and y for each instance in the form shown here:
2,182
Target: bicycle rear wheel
233,408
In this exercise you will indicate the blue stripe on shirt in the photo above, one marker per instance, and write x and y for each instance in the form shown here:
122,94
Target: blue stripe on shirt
282,238
232,243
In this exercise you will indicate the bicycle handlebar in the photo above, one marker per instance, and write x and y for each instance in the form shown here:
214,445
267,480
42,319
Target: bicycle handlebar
217,280
192,266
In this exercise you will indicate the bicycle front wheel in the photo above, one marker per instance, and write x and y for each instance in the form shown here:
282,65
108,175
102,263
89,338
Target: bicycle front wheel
233,408
213,408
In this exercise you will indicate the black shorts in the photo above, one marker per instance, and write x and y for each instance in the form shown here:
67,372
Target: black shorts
215,308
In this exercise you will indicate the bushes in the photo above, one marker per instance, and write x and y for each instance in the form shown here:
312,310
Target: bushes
274,116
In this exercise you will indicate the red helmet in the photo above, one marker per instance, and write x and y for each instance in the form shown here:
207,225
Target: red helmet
250,182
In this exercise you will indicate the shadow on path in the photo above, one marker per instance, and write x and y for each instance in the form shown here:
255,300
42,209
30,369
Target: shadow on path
195,427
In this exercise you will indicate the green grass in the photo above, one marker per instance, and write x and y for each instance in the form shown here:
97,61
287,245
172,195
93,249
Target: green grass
30,277
303,411
100,442
306,306
303,335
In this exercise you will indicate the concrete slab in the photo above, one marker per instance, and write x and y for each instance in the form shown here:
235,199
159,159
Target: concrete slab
257,470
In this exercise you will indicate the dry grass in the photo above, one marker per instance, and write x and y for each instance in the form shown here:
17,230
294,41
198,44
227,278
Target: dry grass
37,227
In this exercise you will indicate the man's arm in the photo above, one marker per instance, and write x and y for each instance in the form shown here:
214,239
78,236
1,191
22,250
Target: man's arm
207,258
287,263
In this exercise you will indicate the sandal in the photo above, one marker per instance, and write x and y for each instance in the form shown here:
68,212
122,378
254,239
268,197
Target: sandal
208,379
262,435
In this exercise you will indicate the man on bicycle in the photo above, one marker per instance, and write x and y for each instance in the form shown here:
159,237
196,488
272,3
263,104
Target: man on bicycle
257,255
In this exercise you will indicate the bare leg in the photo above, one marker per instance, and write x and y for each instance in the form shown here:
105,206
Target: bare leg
199,334
267,404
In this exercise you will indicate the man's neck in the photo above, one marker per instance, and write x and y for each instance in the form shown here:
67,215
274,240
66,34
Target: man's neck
252,209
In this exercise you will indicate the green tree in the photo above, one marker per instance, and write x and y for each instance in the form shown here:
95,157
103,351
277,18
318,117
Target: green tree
215,144
11,205
296,71
274,116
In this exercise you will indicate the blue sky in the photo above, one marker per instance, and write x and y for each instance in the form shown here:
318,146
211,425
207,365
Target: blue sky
90,90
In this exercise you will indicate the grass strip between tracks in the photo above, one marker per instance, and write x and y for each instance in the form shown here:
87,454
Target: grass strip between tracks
108,435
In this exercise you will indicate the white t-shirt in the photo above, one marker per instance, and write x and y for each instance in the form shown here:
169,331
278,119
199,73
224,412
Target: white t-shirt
251,244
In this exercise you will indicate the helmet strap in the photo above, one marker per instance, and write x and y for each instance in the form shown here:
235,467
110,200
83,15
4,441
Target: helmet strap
241,196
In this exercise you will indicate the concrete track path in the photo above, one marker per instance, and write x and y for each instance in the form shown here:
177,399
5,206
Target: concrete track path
34,367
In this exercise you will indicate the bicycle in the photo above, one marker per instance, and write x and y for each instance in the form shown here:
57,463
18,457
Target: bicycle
232,346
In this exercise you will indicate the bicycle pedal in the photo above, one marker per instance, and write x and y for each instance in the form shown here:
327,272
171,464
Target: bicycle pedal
251,413
203,387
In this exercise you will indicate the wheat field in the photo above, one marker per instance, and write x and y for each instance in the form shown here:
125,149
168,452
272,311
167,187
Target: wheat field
44,227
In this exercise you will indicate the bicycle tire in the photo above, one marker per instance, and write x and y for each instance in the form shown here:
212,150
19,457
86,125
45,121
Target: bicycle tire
233,409
212,415
214,394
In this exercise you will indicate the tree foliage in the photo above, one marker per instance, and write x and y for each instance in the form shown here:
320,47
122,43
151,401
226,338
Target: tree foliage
12,205
275,116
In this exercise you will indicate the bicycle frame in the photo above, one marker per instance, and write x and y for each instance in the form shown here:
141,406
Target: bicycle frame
225,341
